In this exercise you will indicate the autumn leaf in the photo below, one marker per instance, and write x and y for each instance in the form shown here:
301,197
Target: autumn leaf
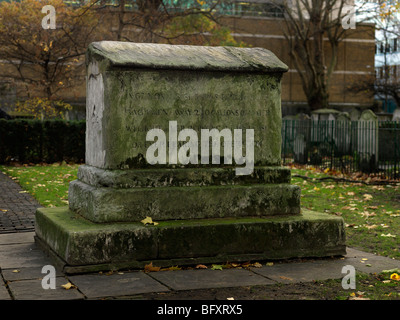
173,268
395,276
150,268
148,220
367,196
388,235
257,265
216,267
68,286
201,266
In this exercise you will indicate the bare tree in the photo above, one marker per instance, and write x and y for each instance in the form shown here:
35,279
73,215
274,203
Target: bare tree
314,29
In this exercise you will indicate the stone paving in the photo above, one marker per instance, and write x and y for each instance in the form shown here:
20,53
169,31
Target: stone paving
21,264
17,207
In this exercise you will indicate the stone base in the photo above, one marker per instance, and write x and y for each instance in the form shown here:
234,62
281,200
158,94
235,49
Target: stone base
80,246
107,196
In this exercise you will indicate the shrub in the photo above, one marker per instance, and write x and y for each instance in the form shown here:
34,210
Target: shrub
35,141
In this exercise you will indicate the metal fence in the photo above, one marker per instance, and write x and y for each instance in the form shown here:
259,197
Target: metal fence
371,147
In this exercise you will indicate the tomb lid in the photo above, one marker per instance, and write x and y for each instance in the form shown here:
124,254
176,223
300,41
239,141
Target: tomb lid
185,57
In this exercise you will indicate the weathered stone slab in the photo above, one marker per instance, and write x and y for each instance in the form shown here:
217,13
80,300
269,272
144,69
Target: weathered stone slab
167,203
205,279
179,177
95,286
83,245
32,290
133,88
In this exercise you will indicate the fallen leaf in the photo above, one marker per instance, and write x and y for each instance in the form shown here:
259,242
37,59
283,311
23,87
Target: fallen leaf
367,196
350,193
269,264
388,235
173,268
395,276
150,268
68,286
148,220
257,265
16,271
216,267
201,266
231,298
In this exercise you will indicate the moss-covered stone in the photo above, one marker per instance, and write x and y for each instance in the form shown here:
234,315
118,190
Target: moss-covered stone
241,92
83,245
198,202
206,213
180,177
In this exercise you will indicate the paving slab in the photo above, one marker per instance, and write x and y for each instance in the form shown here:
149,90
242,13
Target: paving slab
369,262
301,272
325,269
14,256
25,273
17,238
18,207
206,278
33,290
119,284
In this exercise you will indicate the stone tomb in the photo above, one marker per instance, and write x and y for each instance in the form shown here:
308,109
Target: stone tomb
189,136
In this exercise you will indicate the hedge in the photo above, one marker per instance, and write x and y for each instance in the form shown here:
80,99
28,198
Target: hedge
36,141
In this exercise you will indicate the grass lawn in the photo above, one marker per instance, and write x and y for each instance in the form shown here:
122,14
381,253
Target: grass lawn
47,183
371,212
